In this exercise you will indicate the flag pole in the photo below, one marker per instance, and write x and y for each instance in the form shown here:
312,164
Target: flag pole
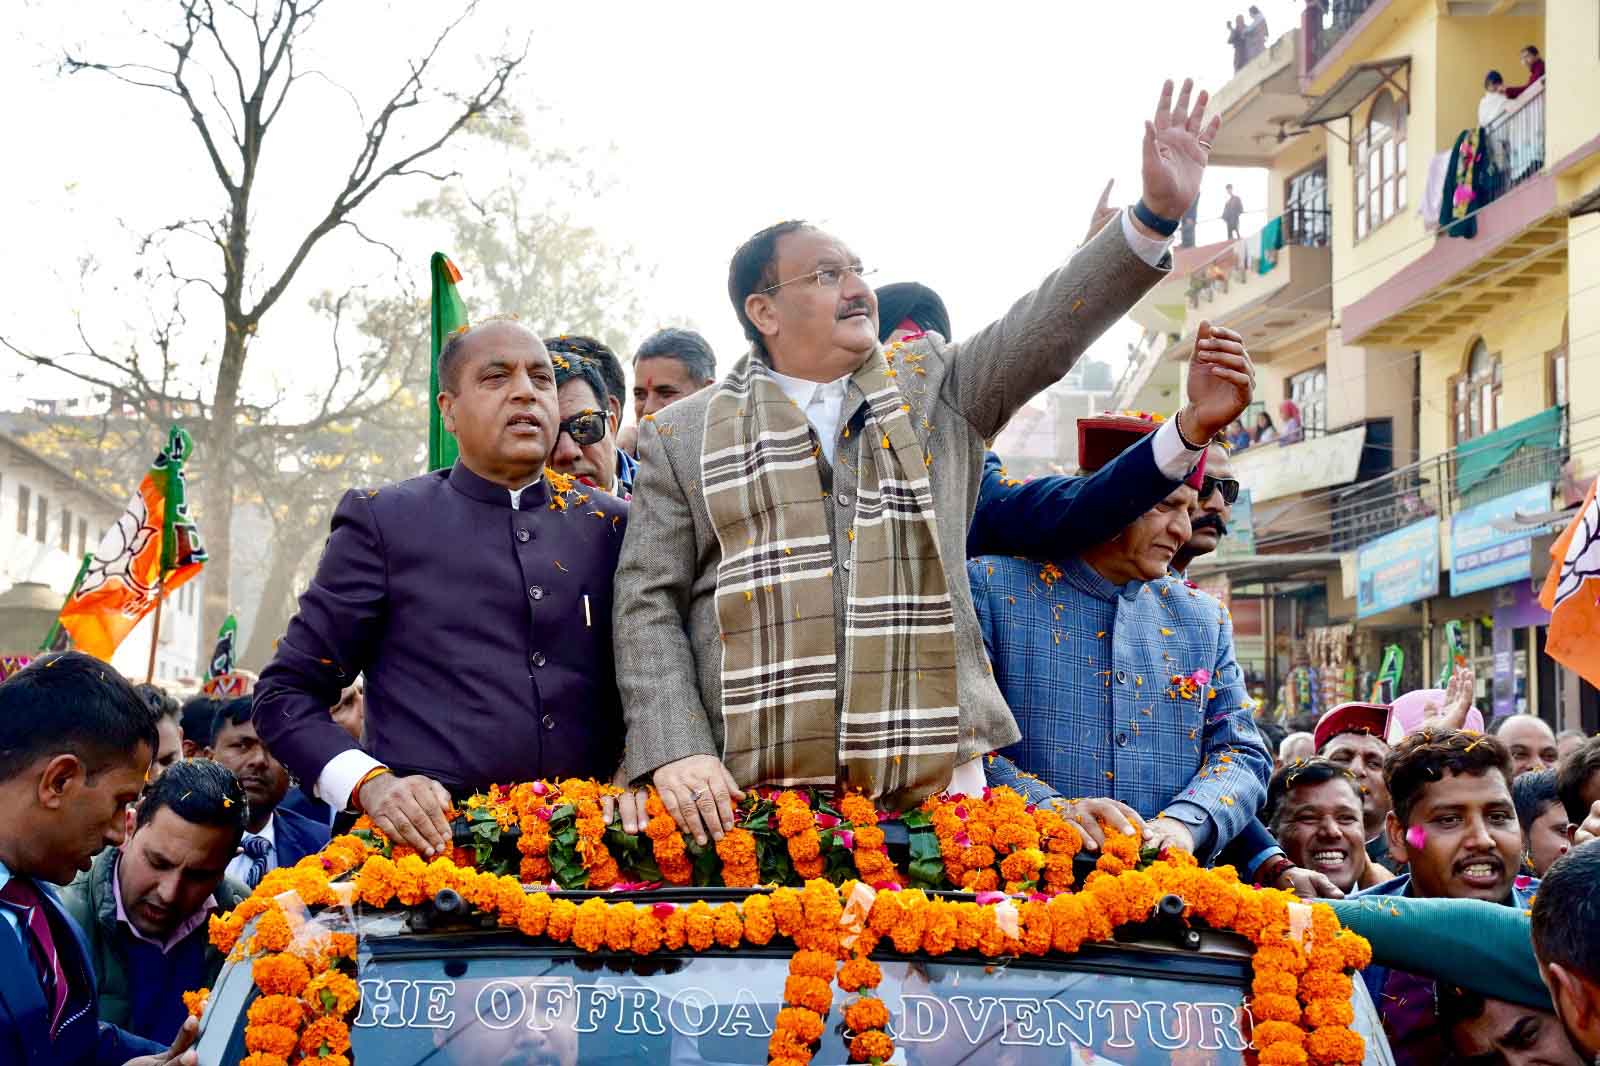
155,633
51,637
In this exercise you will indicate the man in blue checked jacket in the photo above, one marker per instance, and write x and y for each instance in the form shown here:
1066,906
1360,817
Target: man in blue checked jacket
1123,678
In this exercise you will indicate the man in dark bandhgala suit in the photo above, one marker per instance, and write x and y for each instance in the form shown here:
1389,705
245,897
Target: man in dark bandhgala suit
474,601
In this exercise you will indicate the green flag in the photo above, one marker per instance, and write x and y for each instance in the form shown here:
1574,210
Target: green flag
226,653
448,314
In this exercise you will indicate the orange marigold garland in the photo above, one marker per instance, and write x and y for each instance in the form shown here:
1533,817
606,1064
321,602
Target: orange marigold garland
1299,996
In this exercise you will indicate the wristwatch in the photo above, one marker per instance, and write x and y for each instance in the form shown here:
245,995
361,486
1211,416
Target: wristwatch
1164,226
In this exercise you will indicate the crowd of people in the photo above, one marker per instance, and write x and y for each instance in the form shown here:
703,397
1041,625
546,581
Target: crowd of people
809,571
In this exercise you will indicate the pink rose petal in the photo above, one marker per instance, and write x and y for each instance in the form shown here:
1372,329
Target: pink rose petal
964,840
846,838
540,788
887,886
542,813
662,911
985,898
1202,677
826,821
1522,882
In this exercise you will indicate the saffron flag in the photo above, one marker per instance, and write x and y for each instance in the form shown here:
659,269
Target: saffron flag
1571,593
151,550
448,315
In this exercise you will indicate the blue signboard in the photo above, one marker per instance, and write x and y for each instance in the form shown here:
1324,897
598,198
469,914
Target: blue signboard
1398,568
1482,556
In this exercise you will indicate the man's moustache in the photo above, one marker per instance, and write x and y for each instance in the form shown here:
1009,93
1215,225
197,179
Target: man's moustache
1210,521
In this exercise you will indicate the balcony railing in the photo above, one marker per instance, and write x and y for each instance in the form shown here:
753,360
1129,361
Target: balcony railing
1336,18
1239,262
1516,143
1369,510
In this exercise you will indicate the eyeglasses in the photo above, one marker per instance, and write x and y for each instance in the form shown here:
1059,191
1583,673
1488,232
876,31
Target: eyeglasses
1228,485
827,277
585,428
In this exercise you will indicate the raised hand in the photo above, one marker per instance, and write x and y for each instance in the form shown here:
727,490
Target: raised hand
1177,145
1221,382
1103,213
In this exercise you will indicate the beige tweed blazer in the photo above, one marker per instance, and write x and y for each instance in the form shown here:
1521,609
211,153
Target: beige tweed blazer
668,649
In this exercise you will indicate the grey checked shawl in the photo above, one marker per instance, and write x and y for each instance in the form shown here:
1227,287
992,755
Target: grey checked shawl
895,731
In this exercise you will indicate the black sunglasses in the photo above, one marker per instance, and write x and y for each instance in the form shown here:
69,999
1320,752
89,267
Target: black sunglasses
584,429
1228,485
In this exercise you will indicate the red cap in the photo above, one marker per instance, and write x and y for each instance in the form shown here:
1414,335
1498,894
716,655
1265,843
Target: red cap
1101,438
1370,718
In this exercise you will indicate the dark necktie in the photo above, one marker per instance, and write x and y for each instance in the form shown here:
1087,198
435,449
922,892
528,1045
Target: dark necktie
24,901
257,849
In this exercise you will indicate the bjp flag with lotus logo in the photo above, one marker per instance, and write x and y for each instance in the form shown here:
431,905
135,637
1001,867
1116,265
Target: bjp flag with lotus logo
151,550
1572,593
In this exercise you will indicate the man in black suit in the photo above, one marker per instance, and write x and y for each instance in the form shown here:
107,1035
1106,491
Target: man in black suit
76,742
274,836
476,604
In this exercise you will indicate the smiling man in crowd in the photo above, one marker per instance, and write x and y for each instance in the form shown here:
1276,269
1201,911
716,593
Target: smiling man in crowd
1455,824
1153,711
811,512
1316,817
474,602
143,906
1352,735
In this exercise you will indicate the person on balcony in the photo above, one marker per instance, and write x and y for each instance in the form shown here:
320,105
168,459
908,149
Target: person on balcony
1535,64
1256,34
1238,436
1493,104
1293,432
1232,211
1239,37
1265,432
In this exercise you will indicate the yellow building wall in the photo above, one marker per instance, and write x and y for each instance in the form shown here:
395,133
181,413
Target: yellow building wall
1583,344
1572,51
1521,332
1358,268
1368,383
1449,57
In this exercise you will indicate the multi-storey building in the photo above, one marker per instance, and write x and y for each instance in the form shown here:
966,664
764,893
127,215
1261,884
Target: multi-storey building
1442,347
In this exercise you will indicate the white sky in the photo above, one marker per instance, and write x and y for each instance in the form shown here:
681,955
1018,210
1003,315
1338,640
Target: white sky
959,145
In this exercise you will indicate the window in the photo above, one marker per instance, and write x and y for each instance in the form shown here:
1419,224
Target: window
24,505
1556,372
1475,395
1309,391
66,530
41,530
1380,177
83,537
1305,198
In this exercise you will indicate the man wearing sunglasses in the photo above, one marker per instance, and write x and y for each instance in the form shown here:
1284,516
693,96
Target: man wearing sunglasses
1209,514
585,446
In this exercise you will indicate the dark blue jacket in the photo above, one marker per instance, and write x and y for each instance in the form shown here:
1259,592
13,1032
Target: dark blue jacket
1057,517
483,634
24,1023
295,836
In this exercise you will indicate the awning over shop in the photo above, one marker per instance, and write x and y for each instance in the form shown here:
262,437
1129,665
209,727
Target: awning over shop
1248,569
1478,458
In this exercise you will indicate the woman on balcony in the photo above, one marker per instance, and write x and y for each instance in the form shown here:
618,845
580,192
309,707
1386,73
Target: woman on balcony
1293,432
1265,431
